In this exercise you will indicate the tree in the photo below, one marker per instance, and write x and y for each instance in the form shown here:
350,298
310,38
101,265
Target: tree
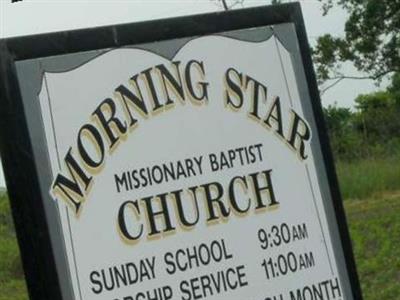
378,116
228,5
346,142
338,119
371,41
394,88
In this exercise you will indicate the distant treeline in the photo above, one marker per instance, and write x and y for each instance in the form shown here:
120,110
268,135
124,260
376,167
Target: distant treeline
372,130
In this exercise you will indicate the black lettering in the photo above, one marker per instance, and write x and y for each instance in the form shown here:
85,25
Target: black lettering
153,214
256,88
112,123
94,278
202,85
95,137
66,185
128,98
275,115
296,137
122,223
258,190
169,81
234,88
215,200
232,195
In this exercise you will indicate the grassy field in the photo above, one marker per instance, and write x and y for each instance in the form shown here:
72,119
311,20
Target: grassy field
375,232
366,178
372,200
12,285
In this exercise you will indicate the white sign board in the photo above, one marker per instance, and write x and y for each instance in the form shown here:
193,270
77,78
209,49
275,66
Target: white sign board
194,157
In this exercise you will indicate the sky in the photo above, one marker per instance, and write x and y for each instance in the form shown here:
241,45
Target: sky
39,16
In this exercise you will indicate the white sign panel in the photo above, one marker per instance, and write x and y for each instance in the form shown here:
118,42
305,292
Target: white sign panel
188,178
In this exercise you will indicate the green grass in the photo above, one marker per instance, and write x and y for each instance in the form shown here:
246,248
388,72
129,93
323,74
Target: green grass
12,284
375,232
364,179
372,190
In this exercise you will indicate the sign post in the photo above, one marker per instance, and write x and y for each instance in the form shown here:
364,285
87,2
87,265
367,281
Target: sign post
173,159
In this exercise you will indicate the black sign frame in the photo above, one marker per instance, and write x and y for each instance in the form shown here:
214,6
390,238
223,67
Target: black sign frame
21,172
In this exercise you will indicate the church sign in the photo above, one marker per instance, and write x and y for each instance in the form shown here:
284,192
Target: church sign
174,159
